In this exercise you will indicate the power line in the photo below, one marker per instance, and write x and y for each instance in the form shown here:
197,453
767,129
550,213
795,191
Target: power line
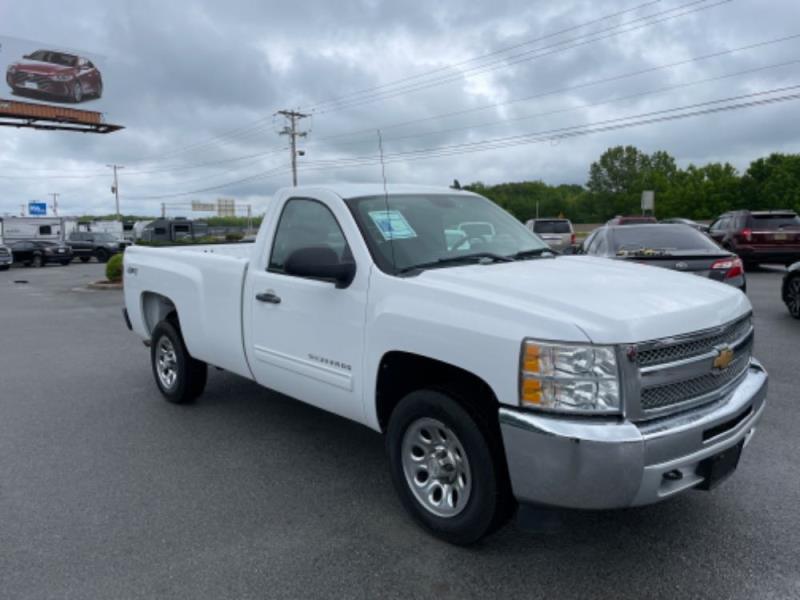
580,106
530,54
587,84
672,114
481,57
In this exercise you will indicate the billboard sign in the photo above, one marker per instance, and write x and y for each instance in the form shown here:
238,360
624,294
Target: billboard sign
45,73
648,200
37,209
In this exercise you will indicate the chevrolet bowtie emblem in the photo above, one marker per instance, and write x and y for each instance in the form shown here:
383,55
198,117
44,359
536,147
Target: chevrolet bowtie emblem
724,358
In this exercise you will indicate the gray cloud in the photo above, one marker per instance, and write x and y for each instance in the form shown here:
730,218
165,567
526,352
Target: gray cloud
180,73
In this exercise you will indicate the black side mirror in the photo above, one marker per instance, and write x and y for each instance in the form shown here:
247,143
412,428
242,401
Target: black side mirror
320,262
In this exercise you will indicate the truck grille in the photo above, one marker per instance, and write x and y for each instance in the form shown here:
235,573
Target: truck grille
678,350
678,373
670,394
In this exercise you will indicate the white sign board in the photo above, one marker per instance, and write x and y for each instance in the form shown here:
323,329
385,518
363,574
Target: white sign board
648,200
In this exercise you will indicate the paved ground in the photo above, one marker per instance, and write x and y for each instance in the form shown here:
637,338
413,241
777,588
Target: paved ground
107,491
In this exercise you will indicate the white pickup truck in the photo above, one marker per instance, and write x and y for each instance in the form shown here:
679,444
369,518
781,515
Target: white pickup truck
498,370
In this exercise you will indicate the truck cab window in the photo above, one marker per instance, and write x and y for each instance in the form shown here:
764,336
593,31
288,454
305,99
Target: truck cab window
45,230
306,223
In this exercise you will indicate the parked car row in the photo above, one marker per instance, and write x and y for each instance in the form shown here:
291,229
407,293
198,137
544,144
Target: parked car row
82,245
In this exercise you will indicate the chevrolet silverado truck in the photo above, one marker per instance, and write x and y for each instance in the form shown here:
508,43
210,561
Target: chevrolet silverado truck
499,372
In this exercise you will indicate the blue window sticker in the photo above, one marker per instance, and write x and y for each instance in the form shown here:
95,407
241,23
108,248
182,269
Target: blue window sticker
392,224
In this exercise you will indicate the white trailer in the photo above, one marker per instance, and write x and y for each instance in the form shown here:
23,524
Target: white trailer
50,229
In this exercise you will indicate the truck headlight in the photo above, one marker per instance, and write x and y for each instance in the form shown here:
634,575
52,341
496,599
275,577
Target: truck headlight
569,378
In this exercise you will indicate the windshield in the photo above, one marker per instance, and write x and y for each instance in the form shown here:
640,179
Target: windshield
424,229
551,227
664,238
775,221
56,58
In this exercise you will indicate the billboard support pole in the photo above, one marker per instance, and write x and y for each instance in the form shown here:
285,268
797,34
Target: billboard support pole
55,196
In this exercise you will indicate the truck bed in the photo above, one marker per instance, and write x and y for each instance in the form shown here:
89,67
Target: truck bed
204,283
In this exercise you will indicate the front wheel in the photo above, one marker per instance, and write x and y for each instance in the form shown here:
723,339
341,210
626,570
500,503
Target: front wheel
443,467
77,92
179,377
791,296
102,255
37,261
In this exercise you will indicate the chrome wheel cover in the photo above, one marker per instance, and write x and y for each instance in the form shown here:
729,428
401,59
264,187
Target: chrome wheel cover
166,363
436,467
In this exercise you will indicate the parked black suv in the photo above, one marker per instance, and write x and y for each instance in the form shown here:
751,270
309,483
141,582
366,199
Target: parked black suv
38,254
86,244
771,236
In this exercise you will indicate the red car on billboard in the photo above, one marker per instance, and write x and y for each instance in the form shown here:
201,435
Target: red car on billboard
59,75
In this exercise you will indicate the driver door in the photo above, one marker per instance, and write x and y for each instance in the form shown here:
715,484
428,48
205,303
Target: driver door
305,337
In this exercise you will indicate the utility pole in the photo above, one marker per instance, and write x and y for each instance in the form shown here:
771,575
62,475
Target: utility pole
55,202
115,187
293,117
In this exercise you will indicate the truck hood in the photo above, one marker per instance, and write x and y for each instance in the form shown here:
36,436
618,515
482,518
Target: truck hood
611,301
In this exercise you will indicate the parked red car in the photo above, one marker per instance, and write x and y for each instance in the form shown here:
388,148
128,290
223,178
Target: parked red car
632,220
59,75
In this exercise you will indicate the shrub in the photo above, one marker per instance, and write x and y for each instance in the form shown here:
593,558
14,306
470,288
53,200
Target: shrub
233,237
114,268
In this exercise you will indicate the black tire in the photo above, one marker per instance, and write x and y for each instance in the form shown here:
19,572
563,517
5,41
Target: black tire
102,255
191,374
37,261
791,295
85,259
486,507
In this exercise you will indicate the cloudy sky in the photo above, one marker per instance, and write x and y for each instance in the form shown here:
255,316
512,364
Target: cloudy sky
196,85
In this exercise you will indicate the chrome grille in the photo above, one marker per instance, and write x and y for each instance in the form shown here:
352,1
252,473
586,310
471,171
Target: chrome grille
678,373
662,396
670,352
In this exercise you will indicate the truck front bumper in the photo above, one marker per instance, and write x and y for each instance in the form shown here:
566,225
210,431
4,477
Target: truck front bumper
600,464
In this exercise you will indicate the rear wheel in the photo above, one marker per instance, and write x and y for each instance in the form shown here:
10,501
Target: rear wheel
179,377
444,468
791,295
102,255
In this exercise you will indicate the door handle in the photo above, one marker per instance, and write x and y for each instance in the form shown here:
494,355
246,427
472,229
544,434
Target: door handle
268,297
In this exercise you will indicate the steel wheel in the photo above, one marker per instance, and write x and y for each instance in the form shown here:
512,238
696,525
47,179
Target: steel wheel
436,467
793,296
166,363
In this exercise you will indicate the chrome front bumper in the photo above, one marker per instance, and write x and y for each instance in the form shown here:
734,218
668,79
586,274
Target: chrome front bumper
598,464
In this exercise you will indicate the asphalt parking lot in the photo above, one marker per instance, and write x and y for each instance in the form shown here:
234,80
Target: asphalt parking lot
107,491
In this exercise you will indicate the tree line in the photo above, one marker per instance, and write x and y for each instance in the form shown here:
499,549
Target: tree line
617,179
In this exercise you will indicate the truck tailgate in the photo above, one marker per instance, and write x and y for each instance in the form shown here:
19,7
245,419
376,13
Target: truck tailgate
204,283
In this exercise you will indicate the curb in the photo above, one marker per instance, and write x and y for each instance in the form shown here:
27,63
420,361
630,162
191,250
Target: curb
104,285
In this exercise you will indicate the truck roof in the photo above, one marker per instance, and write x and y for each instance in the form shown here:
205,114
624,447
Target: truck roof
357,190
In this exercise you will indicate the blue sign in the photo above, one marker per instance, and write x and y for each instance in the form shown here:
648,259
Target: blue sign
37,209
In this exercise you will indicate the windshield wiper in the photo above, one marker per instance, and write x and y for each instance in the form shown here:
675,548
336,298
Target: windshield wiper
531,253
454,260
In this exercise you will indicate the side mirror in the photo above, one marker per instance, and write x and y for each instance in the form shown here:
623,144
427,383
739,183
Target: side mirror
320,262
